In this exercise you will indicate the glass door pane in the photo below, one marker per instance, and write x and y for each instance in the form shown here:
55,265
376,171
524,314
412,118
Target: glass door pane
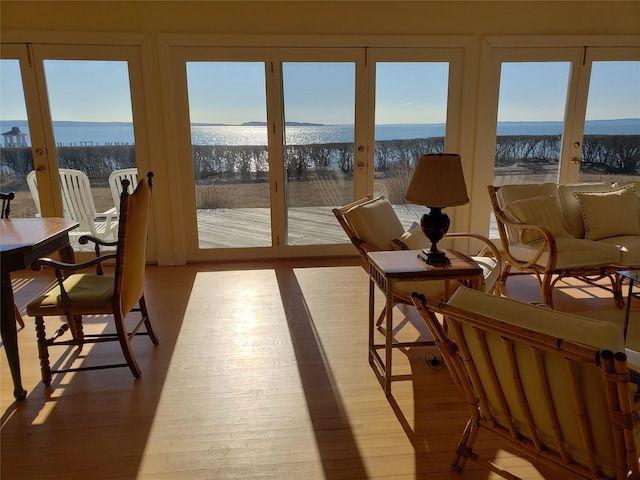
91,114
410,120
15,148
531,110
319,135
89,104
611,141
228,119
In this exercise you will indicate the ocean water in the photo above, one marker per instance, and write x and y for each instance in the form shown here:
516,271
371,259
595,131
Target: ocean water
93,133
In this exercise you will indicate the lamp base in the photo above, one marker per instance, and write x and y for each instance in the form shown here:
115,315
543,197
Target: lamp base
434,258
435,225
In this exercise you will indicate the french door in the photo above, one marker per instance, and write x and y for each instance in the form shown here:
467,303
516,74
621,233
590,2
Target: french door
74,108
563,115
270,140
609,93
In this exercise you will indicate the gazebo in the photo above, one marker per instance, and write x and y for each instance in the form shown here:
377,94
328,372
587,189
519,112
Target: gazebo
15,138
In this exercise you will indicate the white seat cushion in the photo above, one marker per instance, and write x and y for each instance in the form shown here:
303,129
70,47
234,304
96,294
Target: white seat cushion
572,253
629,248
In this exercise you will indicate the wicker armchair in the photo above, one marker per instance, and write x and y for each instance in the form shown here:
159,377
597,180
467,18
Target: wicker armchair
372,225
551,385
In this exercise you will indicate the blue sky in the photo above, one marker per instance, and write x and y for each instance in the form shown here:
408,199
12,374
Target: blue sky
324,93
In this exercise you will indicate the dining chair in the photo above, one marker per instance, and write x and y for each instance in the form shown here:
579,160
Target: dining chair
116,295
115,182
4,213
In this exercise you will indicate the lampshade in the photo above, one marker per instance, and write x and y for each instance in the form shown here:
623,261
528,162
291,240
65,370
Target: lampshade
438,182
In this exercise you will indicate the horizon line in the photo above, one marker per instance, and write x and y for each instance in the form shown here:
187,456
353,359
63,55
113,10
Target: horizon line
311,124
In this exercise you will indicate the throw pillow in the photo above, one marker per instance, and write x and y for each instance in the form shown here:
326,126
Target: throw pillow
541,211
412,239
609,214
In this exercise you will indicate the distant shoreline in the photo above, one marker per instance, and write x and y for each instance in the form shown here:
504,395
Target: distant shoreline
73,123
69,133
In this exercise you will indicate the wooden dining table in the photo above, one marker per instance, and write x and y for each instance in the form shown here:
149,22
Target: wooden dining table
22,241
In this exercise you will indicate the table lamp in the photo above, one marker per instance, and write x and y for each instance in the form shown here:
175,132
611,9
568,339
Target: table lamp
437,182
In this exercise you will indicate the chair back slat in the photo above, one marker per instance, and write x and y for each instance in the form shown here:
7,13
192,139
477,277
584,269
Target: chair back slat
523,403
554,424
115,183
32,183
580,410
77,199
477,387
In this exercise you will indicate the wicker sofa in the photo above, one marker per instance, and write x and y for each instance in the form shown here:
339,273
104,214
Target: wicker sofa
583,230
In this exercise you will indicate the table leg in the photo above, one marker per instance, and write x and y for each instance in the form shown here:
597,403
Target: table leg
66,254
388,340
372,291
9,334
626,316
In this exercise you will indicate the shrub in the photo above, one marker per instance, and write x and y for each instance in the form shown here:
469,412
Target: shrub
213,196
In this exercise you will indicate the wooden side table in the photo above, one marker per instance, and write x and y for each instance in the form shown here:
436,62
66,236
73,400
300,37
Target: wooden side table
390,267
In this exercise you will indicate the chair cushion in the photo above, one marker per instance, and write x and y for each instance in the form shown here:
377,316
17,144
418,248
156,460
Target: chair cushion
629,247
507,194
636,188
571,207
595,333
510,193
376,223
490,271
89,294
412,239
609,214
572,253
542,211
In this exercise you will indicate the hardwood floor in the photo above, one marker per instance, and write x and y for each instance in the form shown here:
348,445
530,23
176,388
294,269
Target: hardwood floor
261,371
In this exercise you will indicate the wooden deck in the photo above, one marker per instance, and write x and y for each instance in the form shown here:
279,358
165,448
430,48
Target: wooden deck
251,227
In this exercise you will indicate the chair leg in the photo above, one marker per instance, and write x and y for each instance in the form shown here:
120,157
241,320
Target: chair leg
616,282
18,316
43,352
465,451
77,329
505,273
546,289
125,344
147,322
